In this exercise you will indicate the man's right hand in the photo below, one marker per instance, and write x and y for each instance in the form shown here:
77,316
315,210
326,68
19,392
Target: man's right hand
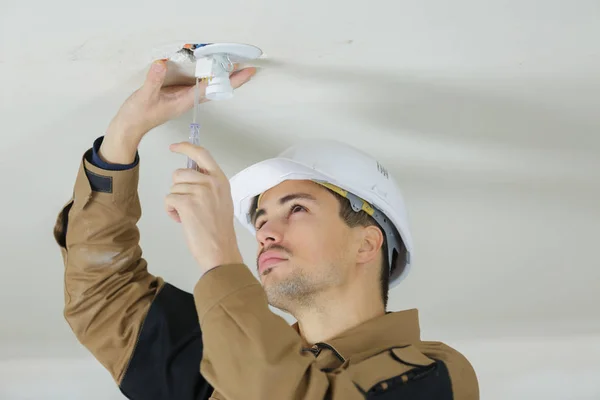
150,106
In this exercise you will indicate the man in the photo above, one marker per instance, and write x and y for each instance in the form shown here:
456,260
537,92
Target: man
326,254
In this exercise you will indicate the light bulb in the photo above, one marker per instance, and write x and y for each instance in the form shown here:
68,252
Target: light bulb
219,85
215,62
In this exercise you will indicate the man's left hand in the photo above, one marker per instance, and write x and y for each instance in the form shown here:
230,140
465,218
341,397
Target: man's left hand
201,201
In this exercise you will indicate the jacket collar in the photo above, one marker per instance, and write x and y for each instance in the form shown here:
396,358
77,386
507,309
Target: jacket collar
393,329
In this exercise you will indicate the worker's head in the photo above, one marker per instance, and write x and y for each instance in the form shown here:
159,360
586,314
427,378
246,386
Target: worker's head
325,246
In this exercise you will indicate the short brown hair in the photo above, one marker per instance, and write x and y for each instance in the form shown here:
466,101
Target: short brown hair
361,218
354,219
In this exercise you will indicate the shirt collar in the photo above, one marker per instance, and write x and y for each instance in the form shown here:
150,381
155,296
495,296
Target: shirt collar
392,329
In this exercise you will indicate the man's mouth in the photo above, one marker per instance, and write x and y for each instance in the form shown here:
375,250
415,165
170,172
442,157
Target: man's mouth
268,260
269,263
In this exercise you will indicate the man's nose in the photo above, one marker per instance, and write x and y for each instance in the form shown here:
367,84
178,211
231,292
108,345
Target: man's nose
271,232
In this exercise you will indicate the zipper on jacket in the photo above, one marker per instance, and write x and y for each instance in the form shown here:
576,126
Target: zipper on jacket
315,350
330,347
317,347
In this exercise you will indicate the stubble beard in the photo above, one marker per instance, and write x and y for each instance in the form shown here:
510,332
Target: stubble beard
298,291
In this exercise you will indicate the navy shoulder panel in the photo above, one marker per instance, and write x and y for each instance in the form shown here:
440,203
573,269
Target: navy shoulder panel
166,360
422,383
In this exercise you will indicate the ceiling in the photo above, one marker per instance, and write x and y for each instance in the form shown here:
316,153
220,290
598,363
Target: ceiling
485,112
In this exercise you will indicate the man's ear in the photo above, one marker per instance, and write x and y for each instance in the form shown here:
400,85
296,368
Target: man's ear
370,246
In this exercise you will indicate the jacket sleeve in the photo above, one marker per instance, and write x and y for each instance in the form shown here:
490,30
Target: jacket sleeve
144,331
251,353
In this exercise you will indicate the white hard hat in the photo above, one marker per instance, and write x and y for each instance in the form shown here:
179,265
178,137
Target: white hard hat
344,169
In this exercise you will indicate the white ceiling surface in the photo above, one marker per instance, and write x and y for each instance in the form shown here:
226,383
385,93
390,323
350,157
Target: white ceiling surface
486,113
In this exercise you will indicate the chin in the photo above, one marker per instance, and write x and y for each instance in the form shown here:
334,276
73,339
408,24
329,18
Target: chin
275,268
270,273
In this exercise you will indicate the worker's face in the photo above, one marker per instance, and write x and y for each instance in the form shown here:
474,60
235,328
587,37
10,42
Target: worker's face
298,222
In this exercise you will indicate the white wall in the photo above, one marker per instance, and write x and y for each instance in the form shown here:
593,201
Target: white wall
537,368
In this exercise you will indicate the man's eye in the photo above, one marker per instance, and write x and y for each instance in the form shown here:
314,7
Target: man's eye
297,207
293,209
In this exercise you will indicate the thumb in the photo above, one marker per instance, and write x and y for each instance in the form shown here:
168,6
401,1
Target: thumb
156,75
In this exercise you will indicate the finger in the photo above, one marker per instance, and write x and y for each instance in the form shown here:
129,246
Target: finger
238,78
188,175
156,75
203,158
174,215
188,188
183,97
171,207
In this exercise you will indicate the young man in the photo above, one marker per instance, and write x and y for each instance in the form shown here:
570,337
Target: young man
332,236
